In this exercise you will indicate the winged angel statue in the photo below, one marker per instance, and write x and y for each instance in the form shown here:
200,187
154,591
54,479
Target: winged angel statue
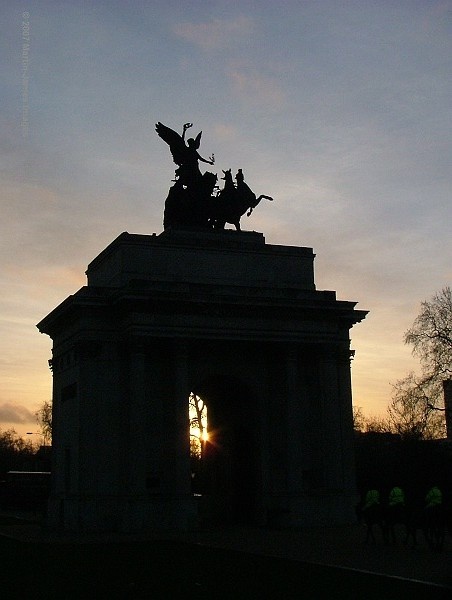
185,154
191,201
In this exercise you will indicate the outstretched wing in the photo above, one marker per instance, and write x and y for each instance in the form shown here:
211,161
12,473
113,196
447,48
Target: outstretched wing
198,140
175,142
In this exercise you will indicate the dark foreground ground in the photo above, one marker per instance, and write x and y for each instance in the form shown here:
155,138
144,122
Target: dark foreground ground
232,564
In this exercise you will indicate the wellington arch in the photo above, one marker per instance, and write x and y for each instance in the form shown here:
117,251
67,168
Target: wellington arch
224,315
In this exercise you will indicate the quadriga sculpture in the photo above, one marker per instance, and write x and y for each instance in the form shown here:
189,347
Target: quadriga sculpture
191,202
233,202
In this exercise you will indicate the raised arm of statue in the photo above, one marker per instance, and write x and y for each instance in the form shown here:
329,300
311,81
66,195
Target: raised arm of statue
183,152
186,126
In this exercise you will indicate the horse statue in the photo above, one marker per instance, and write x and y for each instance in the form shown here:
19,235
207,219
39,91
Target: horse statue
233,202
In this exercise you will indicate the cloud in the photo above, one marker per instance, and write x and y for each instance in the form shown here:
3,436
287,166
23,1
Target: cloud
256,89
225,132
14,413
216,34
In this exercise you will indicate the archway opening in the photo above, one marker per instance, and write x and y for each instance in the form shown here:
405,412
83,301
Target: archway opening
225,471
199,436
197,414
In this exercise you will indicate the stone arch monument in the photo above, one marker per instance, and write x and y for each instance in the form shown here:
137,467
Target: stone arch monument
235,320
222,314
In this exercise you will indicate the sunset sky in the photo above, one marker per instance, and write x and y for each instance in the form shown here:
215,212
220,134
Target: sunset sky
340,110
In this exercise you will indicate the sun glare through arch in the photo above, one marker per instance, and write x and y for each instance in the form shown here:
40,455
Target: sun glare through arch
197,414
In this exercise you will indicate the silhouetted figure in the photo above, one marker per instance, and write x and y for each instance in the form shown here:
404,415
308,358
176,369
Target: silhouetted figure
233,202
434,498
224,203
415,521
435,521
185,155
395,511
246,195
372,515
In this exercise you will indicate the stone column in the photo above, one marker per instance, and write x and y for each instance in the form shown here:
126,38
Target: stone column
138,420
346,419
55,511
180,412
337,438
331,420
274,433
293,424
179,433
134,443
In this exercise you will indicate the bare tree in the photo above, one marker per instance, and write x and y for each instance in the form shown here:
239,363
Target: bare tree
411,412
44,419
431,335
359,420
197,412
417,409
371,424
14,451
378,425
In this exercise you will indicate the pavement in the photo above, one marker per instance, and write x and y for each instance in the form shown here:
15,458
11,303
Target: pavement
342,546
339,546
